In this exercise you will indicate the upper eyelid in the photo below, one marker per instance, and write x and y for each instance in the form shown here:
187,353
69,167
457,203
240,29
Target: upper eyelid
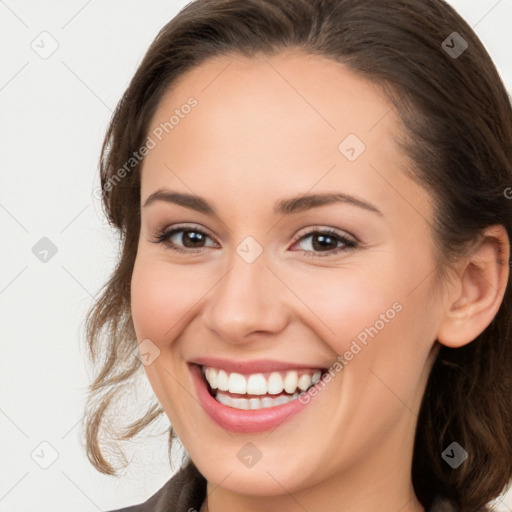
190,228
320,229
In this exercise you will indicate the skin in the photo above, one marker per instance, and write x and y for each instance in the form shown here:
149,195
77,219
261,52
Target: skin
266,128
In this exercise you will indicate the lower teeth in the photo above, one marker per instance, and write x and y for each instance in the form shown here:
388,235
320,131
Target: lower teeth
253,403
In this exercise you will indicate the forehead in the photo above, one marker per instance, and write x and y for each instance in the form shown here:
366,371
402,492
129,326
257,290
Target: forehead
292,120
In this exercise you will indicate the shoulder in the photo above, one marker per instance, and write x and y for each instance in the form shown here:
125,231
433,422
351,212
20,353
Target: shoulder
184,491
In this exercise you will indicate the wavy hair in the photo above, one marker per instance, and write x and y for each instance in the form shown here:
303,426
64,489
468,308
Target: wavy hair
457,125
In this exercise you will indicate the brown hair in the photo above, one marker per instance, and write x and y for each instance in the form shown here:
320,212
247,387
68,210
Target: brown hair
457,121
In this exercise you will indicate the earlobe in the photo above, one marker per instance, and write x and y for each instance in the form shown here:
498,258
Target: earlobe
479,290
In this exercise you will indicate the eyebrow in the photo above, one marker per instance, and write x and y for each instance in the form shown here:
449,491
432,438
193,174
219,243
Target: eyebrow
286,206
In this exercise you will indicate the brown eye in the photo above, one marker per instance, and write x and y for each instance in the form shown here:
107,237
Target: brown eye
182,239
190,238
325,241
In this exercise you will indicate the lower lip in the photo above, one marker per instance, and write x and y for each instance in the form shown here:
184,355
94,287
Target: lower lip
241,420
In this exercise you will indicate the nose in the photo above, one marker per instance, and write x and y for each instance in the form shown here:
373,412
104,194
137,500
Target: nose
247,303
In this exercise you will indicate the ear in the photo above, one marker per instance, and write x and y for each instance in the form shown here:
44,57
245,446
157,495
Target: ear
478,290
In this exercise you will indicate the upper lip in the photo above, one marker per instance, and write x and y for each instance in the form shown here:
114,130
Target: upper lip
256,366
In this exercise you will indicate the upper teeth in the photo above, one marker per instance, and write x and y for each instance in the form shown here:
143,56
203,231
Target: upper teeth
259,383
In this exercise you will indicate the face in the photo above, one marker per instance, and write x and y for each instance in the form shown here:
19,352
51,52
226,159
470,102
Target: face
244,279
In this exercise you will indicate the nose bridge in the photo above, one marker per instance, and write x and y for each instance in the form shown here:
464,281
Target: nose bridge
248,298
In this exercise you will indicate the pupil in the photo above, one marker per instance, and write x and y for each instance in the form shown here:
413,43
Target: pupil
193,236
324,239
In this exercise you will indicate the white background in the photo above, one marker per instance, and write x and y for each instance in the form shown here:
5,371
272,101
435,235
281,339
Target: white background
53,118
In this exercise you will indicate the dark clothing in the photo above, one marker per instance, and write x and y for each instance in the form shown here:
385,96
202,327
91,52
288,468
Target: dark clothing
186,491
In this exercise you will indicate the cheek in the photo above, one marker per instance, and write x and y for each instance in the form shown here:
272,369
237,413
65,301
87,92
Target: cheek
343,304
371,317
161,297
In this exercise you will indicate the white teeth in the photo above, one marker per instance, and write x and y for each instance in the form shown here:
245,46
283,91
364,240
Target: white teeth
237,383
290,381
253,403
222,380
304,382
257,384
212,377
275,383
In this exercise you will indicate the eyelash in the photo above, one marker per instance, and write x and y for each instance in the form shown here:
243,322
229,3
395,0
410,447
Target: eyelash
163,238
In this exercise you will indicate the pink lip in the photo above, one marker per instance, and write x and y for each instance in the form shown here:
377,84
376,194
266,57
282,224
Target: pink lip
247,367
239,420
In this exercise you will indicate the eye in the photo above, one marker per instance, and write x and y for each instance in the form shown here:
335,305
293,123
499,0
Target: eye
325,241
190,237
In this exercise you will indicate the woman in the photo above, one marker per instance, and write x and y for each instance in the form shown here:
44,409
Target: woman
315,224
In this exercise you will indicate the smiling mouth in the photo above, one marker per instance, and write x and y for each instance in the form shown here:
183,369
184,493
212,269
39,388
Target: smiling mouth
258,390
